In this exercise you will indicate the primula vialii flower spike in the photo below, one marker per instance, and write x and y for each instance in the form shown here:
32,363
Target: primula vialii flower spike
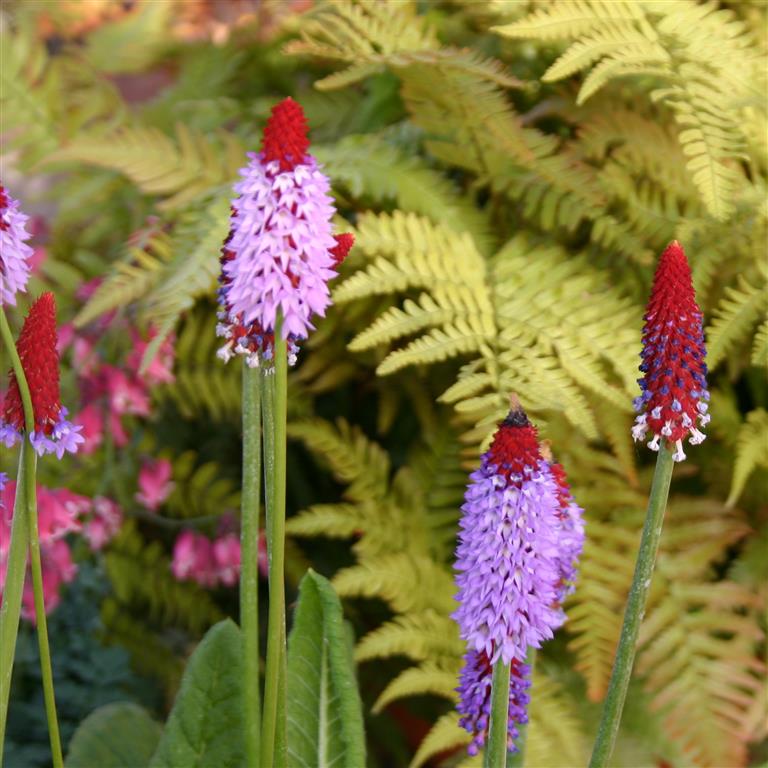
14,252
280,252
520,539
674,385
37,350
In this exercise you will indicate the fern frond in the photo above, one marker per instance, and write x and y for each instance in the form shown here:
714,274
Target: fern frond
751,451
369,167
391,578
672,42
698,653
201,490
740,308
179,170
446,736
146,255
418,636
760,346
417,681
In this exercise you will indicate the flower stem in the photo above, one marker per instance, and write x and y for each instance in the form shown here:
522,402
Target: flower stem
16,567
517,759
249,575
495,755
273,740
30,494
633,614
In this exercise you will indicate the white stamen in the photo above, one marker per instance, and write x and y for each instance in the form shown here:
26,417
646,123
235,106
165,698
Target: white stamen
252,361
656,412
704,419
654,444
696,437
225,353
666,430
678,455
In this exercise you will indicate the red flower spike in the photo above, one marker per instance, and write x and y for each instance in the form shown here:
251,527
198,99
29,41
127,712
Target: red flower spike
285,135
37,350
343,246
674,386
515,447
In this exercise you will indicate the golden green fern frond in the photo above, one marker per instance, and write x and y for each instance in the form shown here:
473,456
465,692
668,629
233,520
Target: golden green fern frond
203,387
391,579
142,582
201,489
760,346
362,465
446,736
363,34
696,535
673,42
698,652
178,169
427,678
418,636
370,168
192,272
751,451
147,253
735,316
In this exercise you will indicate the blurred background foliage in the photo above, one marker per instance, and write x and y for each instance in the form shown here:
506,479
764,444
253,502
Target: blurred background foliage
511,170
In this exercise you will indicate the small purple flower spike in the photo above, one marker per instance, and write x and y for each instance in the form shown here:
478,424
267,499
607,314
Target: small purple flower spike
14,252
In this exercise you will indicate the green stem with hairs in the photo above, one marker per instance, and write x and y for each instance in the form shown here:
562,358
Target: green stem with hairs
249,574
30,493
517,759
495,755
16,567
275,392
633,614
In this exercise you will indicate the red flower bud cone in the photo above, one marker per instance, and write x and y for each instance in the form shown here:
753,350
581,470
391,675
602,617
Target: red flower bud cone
285,135
344,243
37,349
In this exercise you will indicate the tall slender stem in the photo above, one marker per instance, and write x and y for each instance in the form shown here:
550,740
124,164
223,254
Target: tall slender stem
517,759
16,567
30,493
273,746
249,573
495,755
633,614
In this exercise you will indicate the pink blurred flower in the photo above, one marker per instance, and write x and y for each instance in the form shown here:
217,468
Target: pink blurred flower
104,524
193,559
58,569
226,554
92,423
58,513
160,370
127,395
154,483
86,290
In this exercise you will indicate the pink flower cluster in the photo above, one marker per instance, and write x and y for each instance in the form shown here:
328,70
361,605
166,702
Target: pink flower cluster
155,483
60,512
209,563
109,392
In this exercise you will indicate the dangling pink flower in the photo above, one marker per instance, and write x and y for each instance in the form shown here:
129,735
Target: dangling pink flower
59,512
155,483
160,370
193,559
226,554
91,421
58,569
104,523
280,252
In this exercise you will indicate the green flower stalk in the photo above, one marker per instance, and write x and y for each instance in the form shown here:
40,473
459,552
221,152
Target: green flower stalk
673,399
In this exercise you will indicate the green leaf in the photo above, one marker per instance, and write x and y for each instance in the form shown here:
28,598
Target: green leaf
118,735
325,722
205,726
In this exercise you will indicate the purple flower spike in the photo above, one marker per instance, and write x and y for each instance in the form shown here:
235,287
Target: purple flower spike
475,699
14,252
520,539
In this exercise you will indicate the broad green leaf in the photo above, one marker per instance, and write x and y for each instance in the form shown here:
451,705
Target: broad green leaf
325,722
205,727
119,735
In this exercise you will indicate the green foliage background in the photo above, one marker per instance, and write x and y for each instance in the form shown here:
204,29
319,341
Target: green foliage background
511,170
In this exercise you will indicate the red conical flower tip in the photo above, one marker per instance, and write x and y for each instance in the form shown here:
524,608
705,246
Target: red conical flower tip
674,386
343,246
285,135
515,449
37,351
